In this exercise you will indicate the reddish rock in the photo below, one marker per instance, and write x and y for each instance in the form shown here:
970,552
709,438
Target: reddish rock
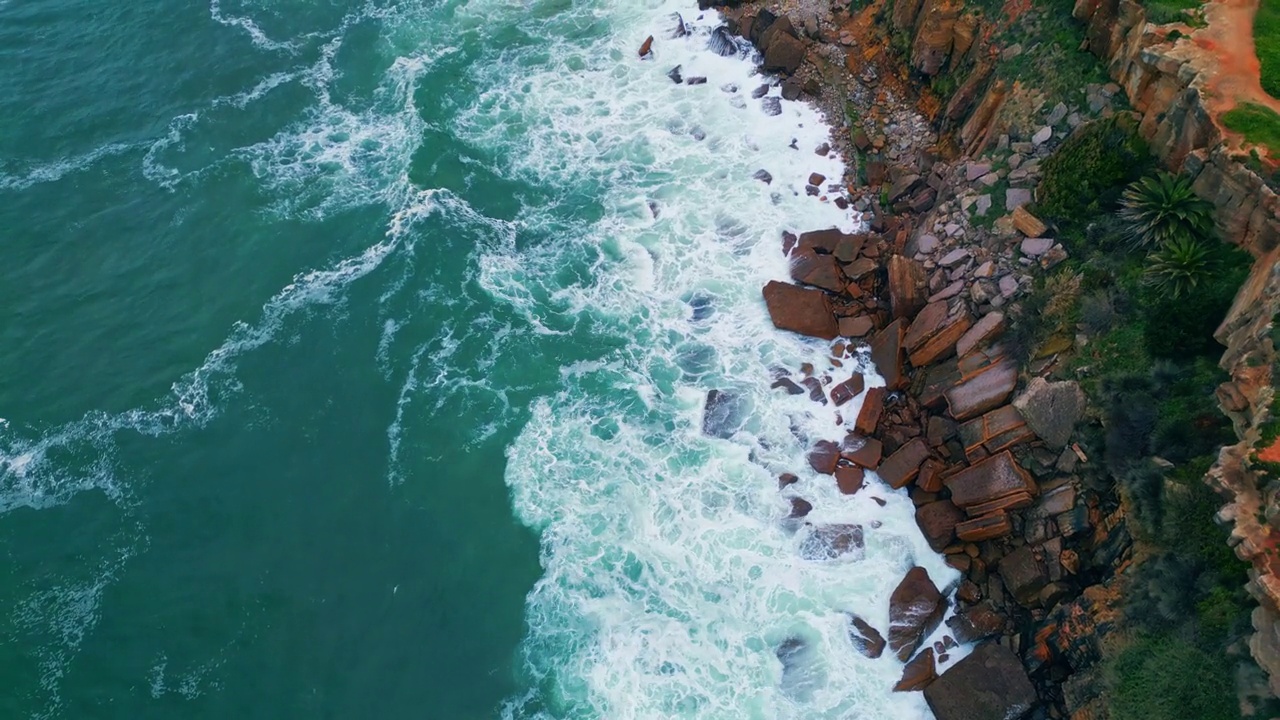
823,242
847,390
822,271
907,290
786,479
919,673
977,622
817,178
997,430
938,521
929,478
1005,503
993,478
866,639
647,46
829,542
915,609
800,310
824,456
789,241
869,414
982,387
886,353
1024,575
800,507
848,248
988,328
901,467
987,527
849,478
785,53
816,393
988,684
852,327
933,334
864,452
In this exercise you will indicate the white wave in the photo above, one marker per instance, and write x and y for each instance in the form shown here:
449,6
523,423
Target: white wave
58,169
247,24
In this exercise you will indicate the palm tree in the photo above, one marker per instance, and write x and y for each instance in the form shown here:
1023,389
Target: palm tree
1180,265
1160,207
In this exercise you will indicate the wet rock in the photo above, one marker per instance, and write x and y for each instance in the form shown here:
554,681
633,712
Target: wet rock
674,74
1024,575
759,92
771,105
824,456
816,393
722,43
784,54
823,242
850,478
791,89
901,467
853,327
1051,409
866,639
817,179
646,47
722,414
919,673
887,353
869,415
830,542
800,507
787,385
822,271
763,176
932,336
915,610
800,310
988,684
863,452
978,622
937,521
847,390
786,479
695,81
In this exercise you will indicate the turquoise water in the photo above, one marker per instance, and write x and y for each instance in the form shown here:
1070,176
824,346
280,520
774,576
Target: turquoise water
354,359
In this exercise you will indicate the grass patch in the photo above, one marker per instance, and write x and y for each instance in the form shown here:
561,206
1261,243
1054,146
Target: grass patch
1266,40
1163,678
1259,125
1161,12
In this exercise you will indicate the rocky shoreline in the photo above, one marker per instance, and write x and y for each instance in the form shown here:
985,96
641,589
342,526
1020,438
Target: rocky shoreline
984,450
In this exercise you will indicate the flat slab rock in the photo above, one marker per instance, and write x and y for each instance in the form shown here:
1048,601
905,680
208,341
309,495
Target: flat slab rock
991,479
989,684
800,310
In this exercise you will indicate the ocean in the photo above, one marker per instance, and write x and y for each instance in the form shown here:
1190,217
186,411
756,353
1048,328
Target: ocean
354,363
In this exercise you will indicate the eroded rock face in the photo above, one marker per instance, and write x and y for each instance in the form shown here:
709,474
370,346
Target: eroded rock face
800,310
915,609
988,684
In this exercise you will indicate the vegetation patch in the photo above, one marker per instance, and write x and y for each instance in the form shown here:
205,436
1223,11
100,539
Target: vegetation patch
1266,41
1087,175
1259,125
1162,12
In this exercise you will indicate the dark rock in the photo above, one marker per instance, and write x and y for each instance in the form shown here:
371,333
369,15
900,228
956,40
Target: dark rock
824,242
829,542
886,353
863,452
813,87
848,247
800,310
901,467
1024,575
988,684
759,92
784,54
722,43
775,32
915,610
903,186
937,521
824,456
800,507
763,176
869,415
978,622
816,393
996,477
722,414
906,287
791,89
771,105
675,75
695,81
817,179
822,271
847,390
786,479
788,385
866,639
822,149
933,334
680,30
919,673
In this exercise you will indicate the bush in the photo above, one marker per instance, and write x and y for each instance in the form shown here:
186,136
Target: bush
1181,265
1183,327
1167,678
1266,36
1097,312
1143,484
1259,125
1161,208
1085,177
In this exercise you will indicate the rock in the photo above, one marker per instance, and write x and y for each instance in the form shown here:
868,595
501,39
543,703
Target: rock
926,244
817,179
759,92
1042,136
800,310
849,478
847,390
992,479
821,241
810,268
812,87
954,258
997,430
1016,197
722,43
800,507
1056,115
869,415
695,81
987,527
981,387
791,89
816,392
866,639
722,414
674,74
1024,575
1036,246
1008,286
973,171
934,333
771,105
829,542
1056,254
863,452
937,521
646,47
915,610
948,292
788,385
786,479
853,327
1051,409
989,327
1024,222
763,176
903,186
988,684
784,54
982,205
919,673
906,286
822,149
823,456
901,467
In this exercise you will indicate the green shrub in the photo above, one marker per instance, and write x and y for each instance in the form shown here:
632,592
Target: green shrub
1259,125
1085,177
1180,266
1160,12
1161,208
1183,327
1168,678
1266,41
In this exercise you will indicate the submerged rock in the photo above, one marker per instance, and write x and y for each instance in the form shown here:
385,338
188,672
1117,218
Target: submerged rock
722,43
771,105
722,414
831,542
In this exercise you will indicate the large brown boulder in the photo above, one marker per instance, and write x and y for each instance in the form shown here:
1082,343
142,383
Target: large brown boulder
784,54
800,310
822,271
934,333
906,287
886,353
988,684
919,673
996,477
915,609
938,520
901,467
